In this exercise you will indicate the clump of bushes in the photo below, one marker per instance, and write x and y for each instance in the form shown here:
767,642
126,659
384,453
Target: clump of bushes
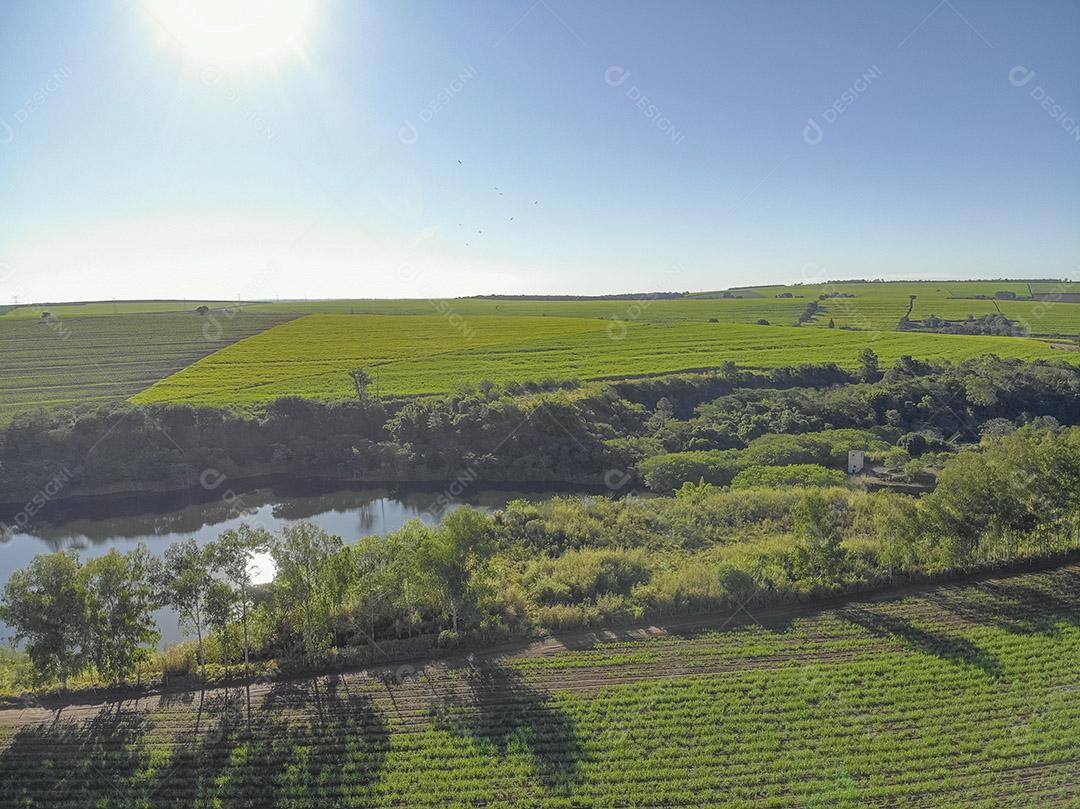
802,474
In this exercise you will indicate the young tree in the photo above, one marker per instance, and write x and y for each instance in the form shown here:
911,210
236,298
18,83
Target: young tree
46,606
187,580
362,379
122,597
376,586
231,556
817,524
455,552
660,417
312,576
868,366
220,608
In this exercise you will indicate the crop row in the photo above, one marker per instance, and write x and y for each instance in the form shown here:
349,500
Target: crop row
86,359
312,356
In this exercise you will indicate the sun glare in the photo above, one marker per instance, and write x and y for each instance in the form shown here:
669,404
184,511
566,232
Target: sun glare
235,33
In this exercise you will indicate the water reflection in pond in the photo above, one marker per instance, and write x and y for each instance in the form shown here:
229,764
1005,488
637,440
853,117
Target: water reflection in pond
94,528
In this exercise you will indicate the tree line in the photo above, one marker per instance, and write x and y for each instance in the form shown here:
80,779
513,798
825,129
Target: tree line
98,616
545,432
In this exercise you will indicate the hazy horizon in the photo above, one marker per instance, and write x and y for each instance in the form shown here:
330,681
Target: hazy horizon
641,293
315,149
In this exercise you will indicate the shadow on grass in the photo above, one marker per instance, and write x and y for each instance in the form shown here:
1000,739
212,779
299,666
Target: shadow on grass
948,646
312,740
320,747
68,763
1020,607
494,705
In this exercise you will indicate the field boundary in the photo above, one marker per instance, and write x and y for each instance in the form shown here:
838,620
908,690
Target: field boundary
15,713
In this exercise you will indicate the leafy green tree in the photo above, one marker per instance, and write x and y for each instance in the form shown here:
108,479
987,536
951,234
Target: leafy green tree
660,417
312,577
231,556
1015,485
695,491
187,579
221,608
457,551
817,523
899,523
666,473
868,366
361,379
46,606
384,571
122,595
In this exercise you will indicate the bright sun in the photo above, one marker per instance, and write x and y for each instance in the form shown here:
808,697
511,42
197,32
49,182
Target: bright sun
235,33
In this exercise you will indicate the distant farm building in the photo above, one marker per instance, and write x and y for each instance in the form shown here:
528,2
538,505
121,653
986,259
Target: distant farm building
855,460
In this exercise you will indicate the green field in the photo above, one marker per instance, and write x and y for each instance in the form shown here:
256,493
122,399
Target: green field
881,305
961,695
873,307
94,359
745,310
98,308
311,356
122,349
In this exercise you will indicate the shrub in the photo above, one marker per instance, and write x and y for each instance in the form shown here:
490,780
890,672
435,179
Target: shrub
802,474
581,575
826,448
448,639
665,473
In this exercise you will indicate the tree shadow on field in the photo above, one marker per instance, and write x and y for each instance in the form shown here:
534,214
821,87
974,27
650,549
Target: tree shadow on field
199,754
1038,605
72,763
948,646
493,704
312,739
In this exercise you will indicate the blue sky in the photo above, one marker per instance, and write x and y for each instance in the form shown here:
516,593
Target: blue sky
637,146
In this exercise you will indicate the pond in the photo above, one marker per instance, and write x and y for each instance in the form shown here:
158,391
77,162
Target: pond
94,527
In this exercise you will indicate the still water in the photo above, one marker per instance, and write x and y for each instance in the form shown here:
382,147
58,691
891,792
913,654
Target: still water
93,528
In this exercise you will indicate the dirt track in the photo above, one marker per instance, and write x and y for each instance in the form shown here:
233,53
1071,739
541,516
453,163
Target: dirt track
396,671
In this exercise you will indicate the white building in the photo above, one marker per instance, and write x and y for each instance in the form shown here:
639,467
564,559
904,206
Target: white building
855,460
